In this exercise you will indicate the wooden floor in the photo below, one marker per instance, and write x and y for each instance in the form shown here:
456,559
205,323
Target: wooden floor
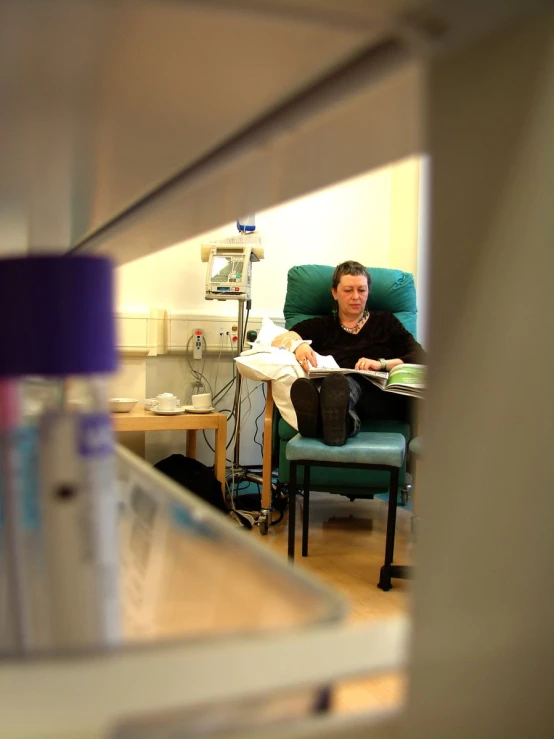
347,544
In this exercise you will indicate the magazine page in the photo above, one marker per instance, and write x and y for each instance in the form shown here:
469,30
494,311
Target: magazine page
408,375
378,378
411,392
325,362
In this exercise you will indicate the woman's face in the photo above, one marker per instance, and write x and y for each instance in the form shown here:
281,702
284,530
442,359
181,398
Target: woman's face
351,294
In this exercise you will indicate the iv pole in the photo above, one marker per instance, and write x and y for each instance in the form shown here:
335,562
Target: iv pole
238,388
237,473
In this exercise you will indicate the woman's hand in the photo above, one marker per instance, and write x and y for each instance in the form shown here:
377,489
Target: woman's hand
305,356
367,364
286,340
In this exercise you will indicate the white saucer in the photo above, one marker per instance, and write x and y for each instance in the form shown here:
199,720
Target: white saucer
174,412
192,409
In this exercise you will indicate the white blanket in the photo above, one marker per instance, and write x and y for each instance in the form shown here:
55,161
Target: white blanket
279,366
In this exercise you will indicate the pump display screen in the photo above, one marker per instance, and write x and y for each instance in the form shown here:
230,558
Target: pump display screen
227,269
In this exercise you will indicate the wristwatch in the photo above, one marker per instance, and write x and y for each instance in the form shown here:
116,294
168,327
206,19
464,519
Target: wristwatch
383,364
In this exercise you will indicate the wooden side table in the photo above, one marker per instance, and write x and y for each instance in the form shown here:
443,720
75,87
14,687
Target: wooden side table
140,419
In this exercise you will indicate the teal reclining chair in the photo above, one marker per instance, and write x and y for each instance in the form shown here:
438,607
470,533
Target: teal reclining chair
309,295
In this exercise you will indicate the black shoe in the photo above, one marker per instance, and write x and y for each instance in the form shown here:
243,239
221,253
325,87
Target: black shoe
305,400
334,401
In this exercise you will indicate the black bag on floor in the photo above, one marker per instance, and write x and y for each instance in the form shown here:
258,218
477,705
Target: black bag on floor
192,474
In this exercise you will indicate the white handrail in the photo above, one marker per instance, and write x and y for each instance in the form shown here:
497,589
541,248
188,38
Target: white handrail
85,697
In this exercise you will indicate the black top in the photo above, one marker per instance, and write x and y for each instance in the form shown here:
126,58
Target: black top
382,336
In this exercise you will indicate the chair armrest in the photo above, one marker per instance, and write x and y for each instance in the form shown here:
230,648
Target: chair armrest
267,447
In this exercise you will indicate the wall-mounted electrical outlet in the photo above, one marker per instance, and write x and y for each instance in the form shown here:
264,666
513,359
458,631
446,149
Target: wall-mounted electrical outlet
217,332
197,339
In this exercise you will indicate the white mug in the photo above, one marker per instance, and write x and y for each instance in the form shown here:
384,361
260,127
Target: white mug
166,402
203,400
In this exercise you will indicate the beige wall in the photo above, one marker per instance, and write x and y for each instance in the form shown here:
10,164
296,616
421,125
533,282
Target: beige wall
372,218
404,216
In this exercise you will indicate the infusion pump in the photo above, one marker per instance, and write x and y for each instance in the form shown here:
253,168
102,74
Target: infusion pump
229,273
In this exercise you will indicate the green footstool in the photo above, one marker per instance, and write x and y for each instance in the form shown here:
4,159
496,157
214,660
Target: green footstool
369,450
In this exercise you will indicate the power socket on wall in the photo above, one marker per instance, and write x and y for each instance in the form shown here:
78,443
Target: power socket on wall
220,333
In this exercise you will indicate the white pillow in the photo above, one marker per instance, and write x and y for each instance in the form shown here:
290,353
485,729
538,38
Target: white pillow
269,331
268,363
276,365
281,396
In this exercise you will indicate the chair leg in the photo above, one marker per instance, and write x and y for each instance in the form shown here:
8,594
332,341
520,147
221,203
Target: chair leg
306,512
385,575
292,510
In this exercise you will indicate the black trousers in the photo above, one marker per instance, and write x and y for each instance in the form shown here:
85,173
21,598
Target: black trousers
370,402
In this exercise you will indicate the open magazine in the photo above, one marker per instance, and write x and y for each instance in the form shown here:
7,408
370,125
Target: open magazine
405,379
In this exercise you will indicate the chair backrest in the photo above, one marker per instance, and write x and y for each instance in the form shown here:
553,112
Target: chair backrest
309,294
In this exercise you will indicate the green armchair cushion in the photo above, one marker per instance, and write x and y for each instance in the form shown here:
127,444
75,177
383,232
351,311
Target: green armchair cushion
364,448
309,294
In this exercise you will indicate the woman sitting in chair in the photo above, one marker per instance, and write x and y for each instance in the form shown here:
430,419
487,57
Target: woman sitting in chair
332,408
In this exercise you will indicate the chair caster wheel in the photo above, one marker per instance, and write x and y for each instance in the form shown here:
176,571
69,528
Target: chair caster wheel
263,525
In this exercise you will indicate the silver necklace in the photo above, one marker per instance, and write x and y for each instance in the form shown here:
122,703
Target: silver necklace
353,329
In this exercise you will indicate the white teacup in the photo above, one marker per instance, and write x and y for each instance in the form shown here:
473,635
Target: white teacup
203,400
166,402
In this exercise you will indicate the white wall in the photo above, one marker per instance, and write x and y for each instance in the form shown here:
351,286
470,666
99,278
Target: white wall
372,218
351,220
404,216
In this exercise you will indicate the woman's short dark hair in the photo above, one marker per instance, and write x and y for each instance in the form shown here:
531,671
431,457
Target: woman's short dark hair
350,268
